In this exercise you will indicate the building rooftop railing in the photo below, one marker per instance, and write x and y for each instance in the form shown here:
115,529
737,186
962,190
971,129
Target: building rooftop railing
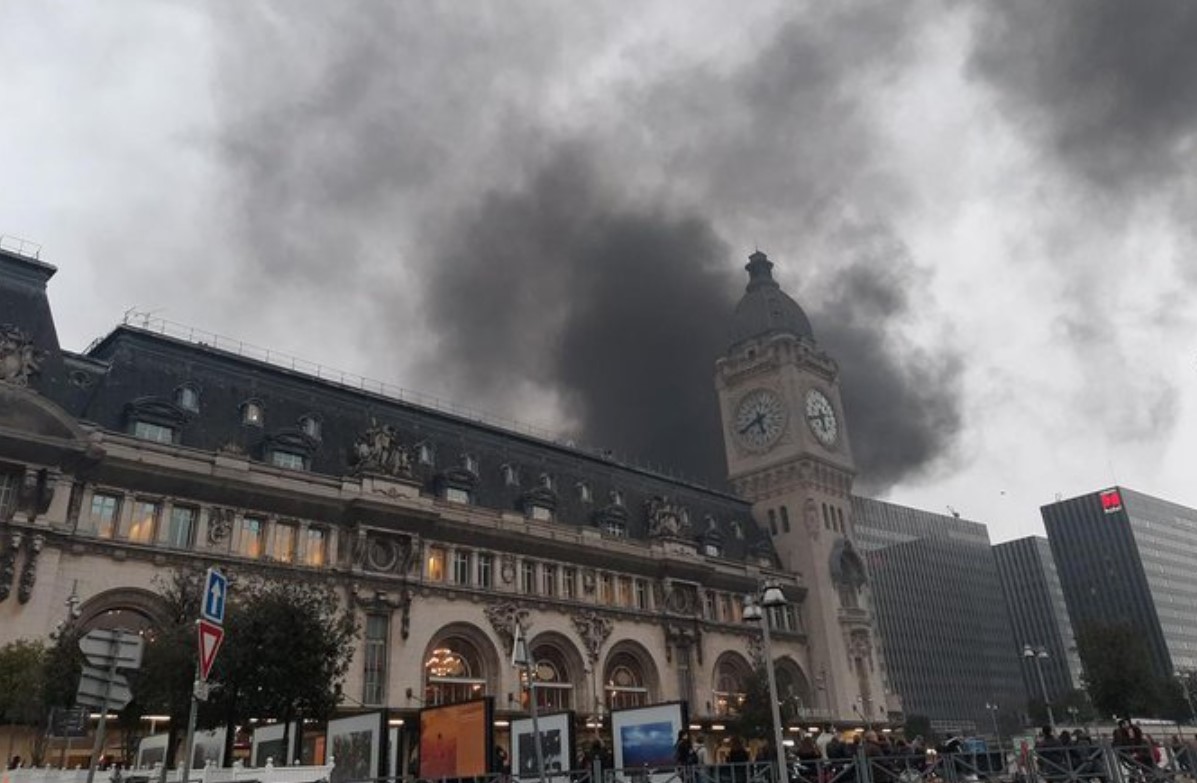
20,247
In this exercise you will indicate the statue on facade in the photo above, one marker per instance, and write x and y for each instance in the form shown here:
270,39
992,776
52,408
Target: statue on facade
29,572
19,359
378,450
666,519
594,630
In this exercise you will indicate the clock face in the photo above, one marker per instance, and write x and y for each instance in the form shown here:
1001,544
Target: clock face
820,415
760,419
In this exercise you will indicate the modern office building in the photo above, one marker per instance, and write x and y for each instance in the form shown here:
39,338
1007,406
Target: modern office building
1038,615
1126,558
948,642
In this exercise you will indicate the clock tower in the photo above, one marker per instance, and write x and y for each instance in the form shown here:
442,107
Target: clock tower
788,454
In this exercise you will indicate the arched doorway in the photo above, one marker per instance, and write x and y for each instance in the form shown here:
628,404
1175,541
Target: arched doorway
559,672
732,672
793,690
459,664
629,677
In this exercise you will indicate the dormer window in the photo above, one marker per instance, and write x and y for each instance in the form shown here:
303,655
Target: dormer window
470,463
711,549
457,495
511,476
584,492
187,398
252,413
545,481
616,498
158,433
424,454
287,459
615,528
310,425
737,529
540,513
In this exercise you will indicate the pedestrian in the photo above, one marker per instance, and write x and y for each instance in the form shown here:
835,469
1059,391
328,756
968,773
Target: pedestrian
15,763
824,738
683,750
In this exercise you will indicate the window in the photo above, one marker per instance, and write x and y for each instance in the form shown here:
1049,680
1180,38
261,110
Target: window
252,413
453,673
569,583
156,433
548,579
180,533
708,605
826,518
187,398
528,576
103,514
287,459
625,591
143,522
772,521
436,564
284,543
315,550
541,513
616,498
606,589
424,454
554,691
839,514
615,528
785,520
249,537
511,476
641,594
624,683
546,481
9,481
374,679
470,463
457,495
737,529
711,549
311,426
486,563
584,492
725,608
461,568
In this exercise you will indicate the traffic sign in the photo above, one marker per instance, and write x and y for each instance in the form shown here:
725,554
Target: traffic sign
103,647
99,689
68,722
210,637
216,591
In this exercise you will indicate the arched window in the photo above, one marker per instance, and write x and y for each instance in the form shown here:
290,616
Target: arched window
624,682
731,679
793,690
554,691
453,672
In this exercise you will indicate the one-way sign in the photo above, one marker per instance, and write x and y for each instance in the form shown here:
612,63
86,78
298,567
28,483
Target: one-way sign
216,590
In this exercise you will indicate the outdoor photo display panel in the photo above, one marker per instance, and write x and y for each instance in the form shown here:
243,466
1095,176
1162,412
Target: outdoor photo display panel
268,744
455,740
357,745
557,729
645,736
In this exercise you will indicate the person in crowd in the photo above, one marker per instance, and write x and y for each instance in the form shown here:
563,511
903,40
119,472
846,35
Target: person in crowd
1180,752
502,764
809,756
15,763
683,750
824,738
738,758
1053,757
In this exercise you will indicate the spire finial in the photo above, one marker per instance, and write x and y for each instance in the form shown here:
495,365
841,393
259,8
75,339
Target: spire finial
760,271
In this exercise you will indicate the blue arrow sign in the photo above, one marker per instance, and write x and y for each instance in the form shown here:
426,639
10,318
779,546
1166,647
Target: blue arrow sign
216,591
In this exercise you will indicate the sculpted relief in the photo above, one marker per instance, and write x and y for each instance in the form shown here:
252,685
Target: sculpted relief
19,360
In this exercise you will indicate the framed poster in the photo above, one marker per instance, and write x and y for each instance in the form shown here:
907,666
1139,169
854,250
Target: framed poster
209,746
456,739
356,745
268,744
645,736
557,745
150,751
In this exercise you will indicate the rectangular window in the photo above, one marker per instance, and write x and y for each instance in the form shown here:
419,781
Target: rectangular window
284,543
548,579
725,608
606,589
153,432
486,563
461,568
455,495
374,676
641,594
249,537
315,550
708,605
180,533
287,459
528,576
569,583
143,522
436,564
625,591
8,492
542,514
615,529
102,518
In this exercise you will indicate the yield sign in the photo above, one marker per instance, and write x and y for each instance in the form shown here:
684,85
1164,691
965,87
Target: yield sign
210,637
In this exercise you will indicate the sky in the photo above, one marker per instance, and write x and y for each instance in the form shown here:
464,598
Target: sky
542,210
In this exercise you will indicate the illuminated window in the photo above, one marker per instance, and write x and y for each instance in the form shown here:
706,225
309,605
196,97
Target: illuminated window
143,522
461,568
470,463
528,576
436,564
486,564
606,589
315,550
624,683
249,537
180,533
374,675
252,413
284,543
569,583
554,691
453,673
104,509
711,549
287,459
153,432
616,498
548,579
729,691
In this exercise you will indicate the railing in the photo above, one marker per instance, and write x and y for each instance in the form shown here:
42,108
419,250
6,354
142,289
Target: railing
209,774
20,247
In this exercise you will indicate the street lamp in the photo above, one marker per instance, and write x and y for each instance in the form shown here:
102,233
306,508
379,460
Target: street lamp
756,608
993,711
1039,654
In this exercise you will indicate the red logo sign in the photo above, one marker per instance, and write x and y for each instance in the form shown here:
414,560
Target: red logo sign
210,637
1111,501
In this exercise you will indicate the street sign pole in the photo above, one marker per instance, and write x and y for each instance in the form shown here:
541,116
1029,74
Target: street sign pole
190,745
98,745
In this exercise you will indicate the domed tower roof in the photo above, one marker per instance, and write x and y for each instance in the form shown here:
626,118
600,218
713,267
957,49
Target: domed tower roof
765,309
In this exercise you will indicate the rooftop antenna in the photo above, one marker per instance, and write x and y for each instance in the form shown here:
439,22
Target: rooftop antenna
954,512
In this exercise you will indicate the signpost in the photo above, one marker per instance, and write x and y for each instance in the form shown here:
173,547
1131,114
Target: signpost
209,635
522,657
100,686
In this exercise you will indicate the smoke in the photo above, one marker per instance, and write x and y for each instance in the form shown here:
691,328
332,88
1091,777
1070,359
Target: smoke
541,212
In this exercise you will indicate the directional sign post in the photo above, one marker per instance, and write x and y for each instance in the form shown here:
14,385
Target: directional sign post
210,635
100,686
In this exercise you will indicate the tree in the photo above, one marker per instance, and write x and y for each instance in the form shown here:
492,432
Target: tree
286,653
22,678
1119,675
1075,701
755,720
919,726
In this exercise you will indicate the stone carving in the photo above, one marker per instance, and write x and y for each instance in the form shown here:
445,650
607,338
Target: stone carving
220,525
29,572
680,598
666,519
8,563
507,569
231,449
588,581
684,635
594,630
381,553
382,601
503,616
36,492
860,645
19,360
378,450
756,650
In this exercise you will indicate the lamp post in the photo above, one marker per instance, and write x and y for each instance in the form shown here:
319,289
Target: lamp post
993,711
1039,654
756,608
